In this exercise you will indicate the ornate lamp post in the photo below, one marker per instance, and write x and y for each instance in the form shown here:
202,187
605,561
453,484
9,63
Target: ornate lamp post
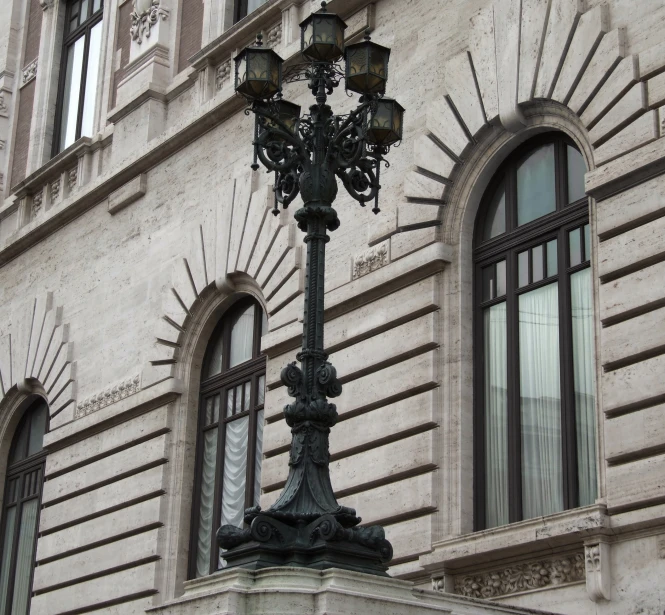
306,526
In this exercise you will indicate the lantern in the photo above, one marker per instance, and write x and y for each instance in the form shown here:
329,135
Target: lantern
258,72
287,112
322,36
385,124
366,67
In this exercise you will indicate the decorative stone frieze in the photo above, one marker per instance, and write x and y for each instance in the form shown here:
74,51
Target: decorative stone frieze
519,577
4,109
109,396
370,260
37,200
45,4
55,190
661,547
29,72
274,37
72,177
597,562
223,74
145,17
2,144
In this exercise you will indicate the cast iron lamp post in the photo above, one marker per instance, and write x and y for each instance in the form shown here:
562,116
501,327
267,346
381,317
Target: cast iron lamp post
306,526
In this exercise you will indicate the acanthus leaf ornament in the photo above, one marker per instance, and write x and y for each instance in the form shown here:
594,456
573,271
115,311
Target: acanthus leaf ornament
145,15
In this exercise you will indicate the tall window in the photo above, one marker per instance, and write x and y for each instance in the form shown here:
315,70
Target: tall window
79,72
230,435
245,7
20,514
534,362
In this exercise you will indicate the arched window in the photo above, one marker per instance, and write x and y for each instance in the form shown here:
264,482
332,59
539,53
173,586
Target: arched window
535,434
229,443
20,510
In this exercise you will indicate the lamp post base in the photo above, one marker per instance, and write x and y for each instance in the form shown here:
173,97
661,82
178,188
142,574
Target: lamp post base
321,544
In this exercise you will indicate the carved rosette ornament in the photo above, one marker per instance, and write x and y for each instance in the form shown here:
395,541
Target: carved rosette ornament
145,15
223,74
370,260
520,577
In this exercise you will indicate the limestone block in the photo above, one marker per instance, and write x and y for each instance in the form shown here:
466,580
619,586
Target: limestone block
460,82
590,30
140,548
58,346
271,227
43,306
632,250
631,294
102,500
445,129
414,216
224,212
563,18
5,364
631,106
656,89
375,389
631,484
533,27
258,210
640,132
481,46
57,375
623,77
427,154
105,443
652,60
292,287
130,192
635,386
89,594
423,188
289,313
631,207
284,241
21,332
145,515
410,538
608,54
631,434
52,320
241,201
507,45
148,454
197,267
183,284
289,265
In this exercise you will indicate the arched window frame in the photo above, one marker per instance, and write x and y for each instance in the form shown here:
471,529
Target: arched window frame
228,378
567,217
24,481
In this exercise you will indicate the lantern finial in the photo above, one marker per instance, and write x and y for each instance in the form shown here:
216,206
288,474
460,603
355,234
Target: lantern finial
323,6
259,40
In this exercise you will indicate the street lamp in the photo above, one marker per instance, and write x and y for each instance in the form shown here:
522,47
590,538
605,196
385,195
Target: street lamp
306,526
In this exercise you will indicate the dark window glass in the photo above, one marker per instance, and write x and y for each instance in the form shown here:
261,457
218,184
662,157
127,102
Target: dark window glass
20,519
245,7
229,448
535,391
79,72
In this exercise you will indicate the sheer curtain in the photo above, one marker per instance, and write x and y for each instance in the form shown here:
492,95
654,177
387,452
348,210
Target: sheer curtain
242,337
540,402
584,378
26,547
496,417
8,545
235,469
207,502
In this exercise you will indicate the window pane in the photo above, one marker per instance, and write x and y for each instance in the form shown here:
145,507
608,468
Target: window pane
252,5
247,395
495,223
242,337
581,300
237,406
488,283
587,242
37,429
576,172
7,548
261,392
215,358
235,469
258,457
84,10
496,417
552,260
537,263
20,443
575,246
212,410
536,191
229,403
206,506
523,268
96,5
540,402
70,100
91,77
501,278
24,556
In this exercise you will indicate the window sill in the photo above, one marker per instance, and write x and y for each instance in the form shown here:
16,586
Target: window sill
536,537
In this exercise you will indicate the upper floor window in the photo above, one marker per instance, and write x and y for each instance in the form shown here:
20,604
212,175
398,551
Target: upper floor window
20,514
230,434
77,93
535,428
245,7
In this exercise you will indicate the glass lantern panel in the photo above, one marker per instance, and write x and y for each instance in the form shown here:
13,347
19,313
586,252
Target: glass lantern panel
536,191
378,62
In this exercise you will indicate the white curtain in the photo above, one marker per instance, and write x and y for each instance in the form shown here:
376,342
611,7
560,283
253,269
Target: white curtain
7,546
496,417
235,470
242,337
24,554
584,377
540,402
204,538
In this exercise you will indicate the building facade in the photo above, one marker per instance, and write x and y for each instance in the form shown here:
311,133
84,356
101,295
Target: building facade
498,327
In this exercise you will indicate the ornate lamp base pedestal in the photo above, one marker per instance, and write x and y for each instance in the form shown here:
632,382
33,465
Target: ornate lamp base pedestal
321,544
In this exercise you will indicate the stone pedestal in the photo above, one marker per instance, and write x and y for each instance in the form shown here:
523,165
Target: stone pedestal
298,591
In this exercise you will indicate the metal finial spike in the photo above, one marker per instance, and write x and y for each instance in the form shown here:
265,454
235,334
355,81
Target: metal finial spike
367,36
323,6
259,39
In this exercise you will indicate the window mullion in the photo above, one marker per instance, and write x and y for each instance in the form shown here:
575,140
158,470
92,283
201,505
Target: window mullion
84,76
479,413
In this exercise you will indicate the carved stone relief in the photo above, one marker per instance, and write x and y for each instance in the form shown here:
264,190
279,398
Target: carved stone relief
370,260
274,37
223,74
145,15
37,200
72,177
518,577
597,562
661,547
4,110
109,396
29,72
55,190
